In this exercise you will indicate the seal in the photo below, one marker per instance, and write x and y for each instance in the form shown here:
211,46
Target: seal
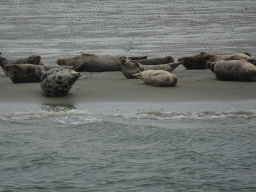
199,61
33,59
58,82
158,78
235,56
129,68
155,61
235,70
25,73
92,62
28,73
99,63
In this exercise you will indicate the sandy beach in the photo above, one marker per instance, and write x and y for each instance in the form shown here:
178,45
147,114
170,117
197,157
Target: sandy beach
63,29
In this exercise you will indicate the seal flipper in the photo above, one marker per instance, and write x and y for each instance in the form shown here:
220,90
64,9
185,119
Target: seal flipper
140,66
137,58
137,75
81,67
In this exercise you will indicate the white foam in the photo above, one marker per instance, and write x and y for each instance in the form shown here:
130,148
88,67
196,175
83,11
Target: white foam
71,115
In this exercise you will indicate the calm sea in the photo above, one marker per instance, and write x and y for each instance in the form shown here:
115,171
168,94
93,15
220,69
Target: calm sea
129,147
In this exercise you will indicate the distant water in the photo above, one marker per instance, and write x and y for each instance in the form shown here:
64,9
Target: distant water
65,148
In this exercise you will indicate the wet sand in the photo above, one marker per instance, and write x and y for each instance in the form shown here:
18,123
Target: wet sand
178,28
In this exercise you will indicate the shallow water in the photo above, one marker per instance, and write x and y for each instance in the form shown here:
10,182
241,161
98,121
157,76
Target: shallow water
67,148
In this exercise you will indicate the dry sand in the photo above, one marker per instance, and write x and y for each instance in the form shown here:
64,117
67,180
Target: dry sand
132,28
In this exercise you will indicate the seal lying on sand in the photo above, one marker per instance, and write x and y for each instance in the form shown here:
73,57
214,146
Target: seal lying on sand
199,61
100,63
92,62
33,59
158,78
23,73
27,73
129,68
155,61
58,82
236,56
235,70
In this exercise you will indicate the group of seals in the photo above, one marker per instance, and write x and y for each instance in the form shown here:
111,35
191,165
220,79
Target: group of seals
33,59
203,59
129,68
58,80
226,67
99,63
27,73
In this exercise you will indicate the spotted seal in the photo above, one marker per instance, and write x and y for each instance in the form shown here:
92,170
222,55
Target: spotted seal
235,70
157,78
199,61
129,68
58,82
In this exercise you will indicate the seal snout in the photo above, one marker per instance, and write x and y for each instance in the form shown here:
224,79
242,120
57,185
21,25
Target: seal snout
122,59
61,62
175,80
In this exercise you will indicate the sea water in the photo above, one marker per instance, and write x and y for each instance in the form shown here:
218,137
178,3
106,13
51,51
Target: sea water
203,146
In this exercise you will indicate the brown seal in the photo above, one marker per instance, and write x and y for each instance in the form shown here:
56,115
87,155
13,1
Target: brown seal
129,68
158,78
235,70
23,73
155,61
33,59
200,61
100,63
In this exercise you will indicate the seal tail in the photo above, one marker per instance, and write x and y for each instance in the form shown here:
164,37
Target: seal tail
174,65
137,58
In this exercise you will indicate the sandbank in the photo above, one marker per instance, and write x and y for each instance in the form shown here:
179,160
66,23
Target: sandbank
110,88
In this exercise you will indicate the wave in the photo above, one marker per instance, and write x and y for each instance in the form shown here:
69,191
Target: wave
204,115
70,115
